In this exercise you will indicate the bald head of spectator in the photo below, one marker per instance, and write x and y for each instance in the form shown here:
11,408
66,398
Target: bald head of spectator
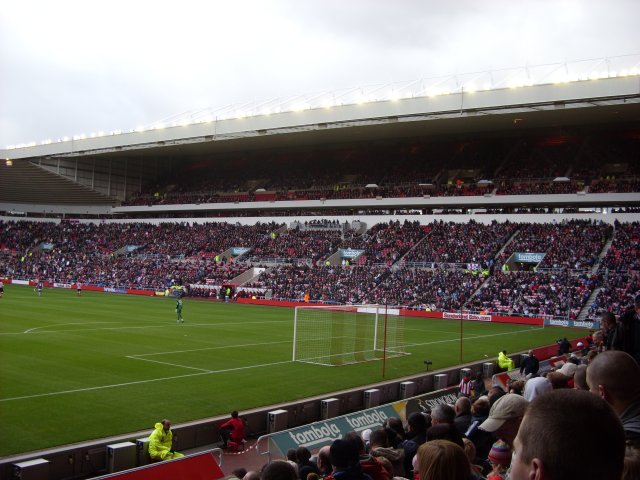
545,447
324,461
615,377
580,378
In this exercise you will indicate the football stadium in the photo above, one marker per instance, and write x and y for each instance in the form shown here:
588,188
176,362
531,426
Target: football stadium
310,261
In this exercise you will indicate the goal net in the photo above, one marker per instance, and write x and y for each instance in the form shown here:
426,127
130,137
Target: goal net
340,335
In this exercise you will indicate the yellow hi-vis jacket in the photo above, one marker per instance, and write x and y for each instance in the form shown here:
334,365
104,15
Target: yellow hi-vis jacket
160,443
505,362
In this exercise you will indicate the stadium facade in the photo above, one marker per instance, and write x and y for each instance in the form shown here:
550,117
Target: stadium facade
110,169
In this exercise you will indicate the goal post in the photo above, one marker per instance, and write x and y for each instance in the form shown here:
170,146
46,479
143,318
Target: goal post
345,334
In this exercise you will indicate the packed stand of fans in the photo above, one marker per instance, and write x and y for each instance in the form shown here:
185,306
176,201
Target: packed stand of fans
572,245
312,245
621,270
426,289
461,243
534,294
137,255
386,243
330,284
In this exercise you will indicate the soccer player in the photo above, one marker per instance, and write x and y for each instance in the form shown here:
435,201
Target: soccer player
1,289
39,287
179,310
78,288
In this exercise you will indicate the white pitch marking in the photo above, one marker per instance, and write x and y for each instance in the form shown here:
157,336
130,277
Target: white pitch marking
60,324
168,363
205,348
457,339
138,382
133,327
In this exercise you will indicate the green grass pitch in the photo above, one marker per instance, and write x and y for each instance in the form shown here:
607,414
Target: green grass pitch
78,368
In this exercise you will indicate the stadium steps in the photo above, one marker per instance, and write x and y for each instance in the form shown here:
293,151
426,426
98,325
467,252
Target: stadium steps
24,182
484,284
248,276
584,313
603,253
400,262
511,238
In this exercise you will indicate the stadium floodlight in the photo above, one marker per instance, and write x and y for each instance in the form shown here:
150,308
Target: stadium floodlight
345,334
159,126
301,107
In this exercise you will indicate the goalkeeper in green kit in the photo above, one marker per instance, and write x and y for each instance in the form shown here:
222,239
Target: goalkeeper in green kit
179,310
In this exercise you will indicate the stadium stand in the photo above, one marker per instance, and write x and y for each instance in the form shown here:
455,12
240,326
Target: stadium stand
442,266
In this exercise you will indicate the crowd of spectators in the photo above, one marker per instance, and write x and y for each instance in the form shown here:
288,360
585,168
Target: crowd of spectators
426,289
545,187
624,253
313,245
330,284
616,293
621,270
461,243
572,245
615,186
391,268
386,243
534,294
526,431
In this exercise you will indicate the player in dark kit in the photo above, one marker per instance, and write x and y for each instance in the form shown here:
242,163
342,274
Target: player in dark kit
179,310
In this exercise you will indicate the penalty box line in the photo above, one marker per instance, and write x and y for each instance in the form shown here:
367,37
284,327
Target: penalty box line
140,382
143,355
210,372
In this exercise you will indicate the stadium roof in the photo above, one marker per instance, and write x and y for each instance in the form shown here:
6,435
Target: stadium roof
511,107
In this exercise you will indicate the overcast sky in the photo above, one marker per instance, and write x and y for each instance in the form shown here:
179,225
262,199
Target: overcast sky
73,67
